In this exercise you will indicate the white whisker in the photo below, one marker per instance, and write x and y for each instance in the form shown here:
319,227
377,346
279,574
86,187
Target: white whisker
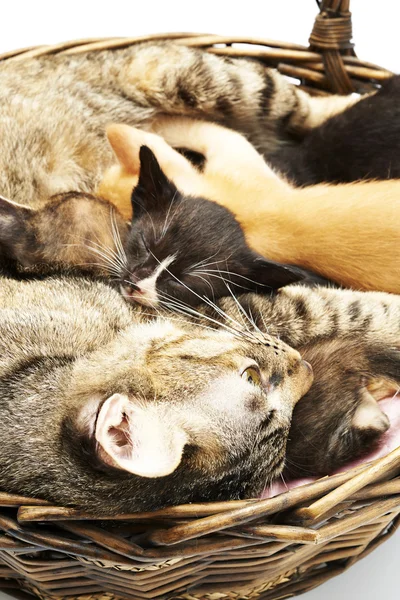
166,222
117,238
236,275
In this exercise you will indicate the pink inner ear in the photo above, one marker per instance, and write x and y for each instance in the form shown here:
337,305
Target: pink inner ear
137,439
126,142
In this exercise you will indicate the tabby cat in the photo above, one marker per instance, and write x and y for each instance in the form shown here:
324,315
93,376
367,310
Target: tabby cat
86,379
107,410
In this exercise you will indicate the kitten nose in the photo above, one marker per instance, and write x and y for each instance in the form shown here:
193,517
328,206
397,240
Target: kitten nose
131,289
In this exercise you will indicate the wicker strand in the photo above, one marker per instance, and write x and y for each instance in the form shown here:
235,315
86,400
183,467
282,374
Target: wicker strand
331,35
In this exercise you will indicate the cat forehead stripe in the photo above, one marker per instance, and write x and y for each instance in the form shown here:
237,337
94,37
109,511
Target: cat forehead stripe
163,266
148,285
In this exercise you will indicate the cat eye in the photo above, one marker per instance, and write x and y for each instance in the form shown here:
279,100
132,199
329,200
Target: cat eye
252,375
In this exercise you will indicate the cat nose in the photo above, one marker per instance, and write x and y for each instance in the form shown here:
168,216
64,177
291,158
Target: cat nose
131,289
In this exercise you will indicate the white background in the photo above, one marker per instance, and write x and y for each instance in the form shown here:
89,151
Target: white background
376,30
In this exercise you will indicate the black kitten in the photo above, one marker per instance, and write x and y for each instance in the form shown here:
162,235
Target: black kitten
363,142
184,248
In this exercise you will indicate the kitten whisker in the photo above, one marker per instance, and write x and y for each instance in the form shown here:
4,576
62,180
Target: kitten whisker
108,264
210,303
106,251
201,262
223,314
284,482
242,312
101,265
188,312
166,222
117,237
205,281
151,220
222,278
193,313
236,275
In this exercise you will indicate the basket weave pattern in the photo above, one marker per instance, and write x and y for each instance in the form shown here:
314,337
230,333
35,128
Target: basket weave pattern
241,550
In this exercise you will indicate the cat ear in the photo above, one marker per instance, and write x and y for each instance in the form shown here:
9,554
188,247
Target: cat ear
13,227
275,275
369,416
154,190
126,141
136,439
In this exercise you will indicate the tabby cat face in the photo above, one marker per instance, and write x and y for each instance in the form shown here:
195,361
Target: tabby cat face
161,416
184,249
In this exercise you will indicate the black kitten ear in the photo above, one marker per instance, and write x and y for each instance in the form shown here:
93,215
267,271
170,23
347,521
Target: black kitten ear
13,227
154,190
275,275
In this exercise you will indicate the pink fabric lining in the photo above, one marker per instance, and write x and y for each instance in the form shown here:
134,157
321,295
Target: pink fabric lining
389,441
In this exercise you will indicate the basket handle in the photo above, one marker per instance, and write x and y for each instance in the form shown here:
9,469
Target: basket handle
331,36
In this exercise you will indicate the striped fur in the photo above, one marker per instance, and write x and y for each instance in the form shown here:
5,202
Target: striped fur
54,109
69,344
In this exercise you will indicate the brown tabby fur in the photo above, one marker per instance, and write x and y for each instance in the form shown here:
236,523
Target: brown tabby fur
76,231
68,344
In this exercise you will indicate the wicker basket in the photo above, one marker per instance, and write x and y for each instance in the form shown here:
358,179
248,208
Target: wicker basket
267,549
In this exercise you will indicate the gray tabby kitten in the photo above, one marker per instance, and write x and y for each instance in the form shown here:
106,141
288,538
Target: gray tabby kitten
106,410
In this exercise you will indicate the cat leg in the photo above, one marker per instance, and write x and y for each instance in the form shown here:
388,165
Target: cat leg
319,110
301,315
237,92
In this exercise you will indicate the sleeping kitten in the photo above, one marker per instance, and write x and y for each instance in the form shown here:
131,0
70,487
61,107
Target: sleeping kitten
172,239
74,232
363,142
189,248
109,411
348,234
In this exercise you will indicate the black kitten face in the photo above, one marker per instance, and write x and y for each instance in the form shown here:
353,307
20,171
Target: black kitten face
184,249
